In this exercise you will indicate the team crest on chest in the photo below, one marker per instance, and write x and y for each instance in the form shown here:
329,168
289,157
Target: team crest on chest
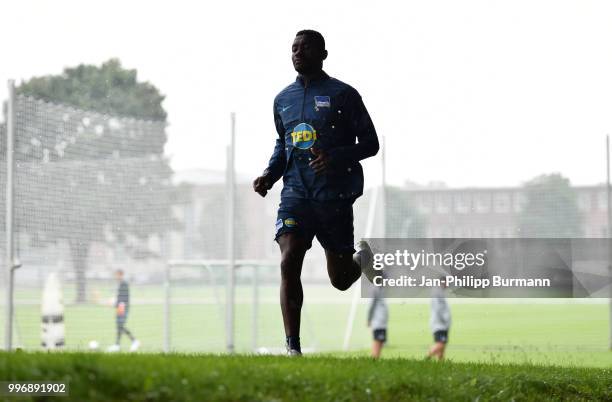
322,101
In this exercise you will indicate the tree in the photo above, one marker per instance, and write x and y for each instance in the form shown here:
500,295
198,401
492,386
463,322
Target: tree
94,173
551,209
108,89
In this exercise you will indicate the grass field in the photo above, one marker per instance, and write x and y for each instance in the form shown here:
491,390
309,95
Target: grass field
560,332
123,377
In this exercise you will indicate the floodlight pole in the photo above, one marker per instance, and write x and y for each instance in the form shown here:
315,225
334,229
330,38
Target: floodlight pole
10,188
231,249
608,193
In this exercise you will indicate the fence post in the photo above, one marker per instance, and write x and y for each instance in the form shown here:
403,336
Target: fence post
10,187
255,306
231,248
166,345
609,235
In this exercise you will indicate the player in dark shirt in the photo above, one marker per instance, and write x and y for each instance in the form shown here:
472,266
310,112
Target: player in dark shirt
122,307
324,131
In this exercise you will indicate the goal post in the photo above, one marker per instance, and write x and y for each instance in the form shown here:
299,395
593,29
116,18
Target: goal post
210,266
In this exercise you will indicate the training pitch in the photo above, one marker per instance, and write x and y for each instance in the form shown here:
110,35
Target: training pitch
551,332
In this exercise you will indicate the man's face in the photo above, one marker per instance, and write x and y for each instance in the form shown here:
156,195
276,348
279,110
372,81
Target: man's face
119,275
306,55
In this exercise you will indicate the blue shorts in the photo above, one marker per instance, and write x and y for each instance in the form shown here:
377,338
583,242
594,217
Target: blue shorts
441,336
330,221
380,334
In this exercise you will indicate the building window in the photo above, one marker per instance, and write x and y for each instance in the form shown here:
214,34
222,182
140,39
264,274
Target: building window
483,203
602,200
462,203
584,201
501,202
442,202
424,203
519,200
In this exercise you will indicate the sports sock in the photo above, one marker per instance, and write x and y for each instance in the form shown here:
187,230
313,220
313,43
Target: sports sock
294,343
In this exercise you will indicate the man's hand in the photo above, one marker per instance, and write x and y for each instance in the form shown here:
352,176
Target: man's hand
321,163
261,185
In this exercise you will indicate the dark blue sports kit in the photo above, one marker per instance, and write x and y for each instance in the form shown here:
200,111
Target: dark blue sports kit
329,115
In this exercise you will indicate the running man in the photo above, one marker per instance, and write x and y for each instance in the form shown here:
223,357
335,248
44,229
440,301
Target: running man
440,320
324,130
378,318
122,307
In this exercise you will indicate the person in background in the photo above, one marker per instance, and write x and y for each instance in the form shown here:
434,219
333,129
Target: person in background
378,317
440,320
122,307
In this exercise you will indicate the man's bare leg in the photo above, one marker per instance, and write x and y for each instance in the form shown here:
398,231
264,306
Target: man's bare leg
441,349
432,351
376,348
342,270
293,248
437,350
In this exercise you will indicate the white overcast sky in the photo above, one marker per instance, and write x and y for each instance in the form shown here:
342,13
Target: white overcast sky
472,93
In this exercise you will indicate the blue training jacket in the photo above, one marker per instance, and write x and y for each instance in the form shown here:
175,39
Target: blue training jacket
329,115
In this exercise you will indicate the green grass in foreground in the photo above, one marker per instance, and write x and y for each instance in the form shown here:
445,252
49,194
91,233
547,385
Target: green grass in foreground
96,377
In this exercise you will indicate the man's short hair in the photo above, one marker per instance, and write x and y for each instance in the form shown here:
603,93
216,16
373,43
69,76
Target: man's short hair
119,271
318,38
